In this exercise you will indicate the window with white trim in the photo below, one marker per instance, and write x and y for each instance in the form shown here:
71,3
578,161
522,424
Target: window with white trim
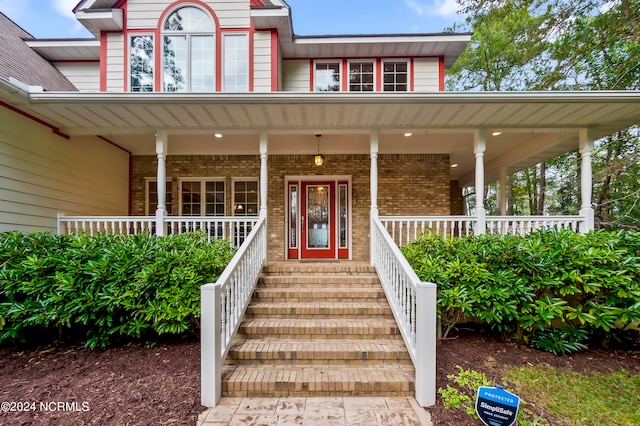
152,196
395,76
188,51
141,63
361,76
202,197
327,77
245,197
236,62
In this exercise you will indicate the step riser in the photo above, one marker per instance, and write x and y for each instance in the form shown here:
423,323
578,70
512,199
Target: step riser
318,282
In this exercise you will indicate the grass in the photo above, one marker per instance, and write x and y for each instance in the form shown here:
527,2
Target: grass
580,399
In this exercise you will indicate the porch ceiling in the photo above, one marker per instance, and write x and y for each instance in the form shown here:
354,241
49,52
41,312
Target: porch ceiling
534,125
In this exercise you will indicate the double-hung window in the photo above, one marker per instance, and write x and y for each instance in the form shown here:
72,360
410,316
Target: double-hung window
327,77
395,76
361,76
245,197
202,197
188,51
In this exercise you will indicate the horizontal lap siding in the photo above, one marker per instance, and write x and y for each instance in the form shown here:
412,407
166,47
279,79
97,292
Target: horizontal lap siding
295,75
426,77
115,63
144,14
42,174
85,76
262,62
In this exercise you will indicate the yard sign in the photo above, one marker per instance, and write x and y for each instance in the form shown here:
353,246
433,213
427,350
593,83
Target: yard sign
496,406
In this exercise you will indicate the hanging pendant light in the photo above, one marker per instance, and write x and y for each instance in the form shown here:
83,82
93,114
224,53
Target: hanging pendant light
318,159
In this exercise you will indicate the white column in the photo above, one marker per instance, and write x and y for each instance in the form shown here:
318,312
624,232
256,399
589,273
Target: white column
264,174
373,183
503,181
586,180
161,152
479,146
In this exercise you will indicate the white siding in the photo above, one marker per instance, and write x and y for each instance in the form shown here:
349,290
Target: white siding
262,62
115,63
295,75
144,14
427,76
84,75
42,174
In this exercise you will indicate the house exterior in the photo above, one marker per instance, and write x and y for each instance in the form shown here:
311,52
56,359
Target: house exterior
216,108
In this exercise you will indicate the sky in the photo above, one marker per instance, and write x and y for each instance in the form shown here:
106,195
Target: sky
54,18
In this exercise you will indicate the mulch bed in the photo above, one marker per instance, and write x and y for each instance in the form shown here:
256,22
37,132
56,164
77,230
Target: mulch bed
65,385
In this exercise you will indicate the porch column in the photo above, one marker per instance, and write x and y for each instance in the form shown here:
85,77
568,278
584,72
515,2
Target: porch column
161,210
373,182
503,191
586,181
264,174
479,146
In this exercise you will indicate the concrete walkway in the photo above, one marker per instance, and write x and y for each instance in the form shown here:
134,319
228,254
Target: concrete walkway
316,411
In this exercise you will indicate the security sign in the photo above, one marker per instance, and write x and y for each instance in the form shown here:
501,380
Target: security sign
496,406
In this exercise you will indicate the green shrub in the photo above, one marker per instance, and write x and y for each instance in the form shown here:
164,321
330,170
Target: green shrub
526,285
105,289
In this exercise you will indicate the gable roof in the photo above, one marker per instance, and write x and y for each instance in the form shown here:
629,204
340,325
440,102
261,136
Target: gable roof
19,61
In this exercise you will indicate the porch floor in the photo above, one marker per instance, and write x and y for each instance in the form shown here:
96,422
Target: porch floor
317,411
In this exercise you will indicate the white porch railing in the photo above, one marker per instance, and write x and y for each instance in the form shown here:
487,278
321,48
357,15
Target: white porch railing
404,229
222,307
414,307
234,228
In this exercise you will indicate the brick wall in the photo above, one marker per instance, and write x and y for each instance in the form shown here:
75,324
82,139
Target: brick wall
408,185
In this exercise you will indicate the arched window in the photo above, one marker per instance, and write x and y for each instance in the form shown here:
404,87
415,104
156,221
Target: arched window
188,51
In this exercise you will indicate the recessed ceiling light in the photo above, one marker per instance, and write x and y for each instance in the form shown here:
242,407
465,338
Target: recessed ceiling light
408,134
454,165
496,133
217,135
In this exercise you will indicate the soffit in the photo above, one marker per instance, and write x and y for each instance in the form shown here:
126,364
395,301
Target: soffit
67,49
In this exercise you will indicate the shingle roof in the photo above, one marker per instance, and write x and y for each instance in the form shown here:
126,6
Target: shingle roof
19,61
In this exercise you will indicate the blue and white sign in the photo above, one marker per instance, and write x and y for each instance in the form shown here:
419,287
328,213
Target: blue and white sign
496,406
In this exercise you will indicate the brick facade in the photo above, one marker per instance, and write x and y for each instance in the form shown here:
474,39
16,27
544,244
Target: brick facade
408,185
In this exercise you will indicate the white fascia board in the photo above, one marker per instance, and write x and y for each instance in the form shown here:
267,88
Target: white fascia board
369,39
67,42
97,20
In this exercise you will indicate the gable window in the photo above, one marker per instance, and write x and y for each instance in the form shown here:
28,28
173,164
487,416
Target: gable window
361,76
202,197
236,62
141,66
395,76
188,51
327,77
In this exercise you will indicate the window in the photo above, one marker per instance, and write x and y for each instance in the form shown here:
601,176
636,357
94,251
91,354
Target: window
236,62
361,76
327,77
395,76
245,198
202,198
141,63
188,51
152,197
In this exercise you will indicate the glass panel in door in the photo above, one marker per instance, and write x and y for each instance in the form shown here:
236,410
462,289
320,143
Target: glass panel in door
318,216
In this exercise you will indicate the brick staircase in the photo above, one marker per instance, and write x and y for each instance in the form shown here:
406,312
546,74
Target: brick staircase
318,329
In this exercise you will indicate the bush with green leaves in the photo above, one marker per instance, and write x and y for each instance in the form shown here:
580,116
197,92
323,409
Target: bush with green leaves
106,289
585,286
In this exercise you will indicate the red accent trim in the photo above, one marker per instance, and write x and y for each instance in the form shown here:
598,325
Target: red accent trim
441,73
275,69
56,131
120,4
330,252
344,75
256,3
251,35
378,75
103,62
292,252
312,75
412,73
343,253
114,144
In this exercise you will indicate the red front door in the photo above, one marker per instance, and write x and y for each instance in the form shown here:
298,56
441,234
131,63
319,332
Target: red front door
318,220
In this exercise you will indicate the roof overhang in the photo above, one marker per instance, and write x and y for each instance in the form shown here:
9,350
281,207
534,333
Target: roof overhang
98,20
535,126
66,49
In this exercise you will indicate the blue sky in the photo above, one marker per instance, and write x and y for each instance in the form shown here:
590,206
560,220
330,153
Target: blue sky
54,19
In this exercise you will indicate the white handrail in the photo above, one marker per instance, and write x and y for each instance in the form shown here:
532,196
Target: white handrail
414,307
523,225
223,305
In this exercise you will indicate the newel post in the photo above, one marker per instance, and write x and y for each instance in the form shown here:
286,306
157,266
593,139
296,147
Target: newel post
426,326
210,345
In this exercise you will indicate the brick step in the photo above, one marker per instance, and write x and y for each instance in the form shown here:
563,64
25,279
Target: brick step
315,294
330,380
320,310
319,268
329,280
310,329
344,352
